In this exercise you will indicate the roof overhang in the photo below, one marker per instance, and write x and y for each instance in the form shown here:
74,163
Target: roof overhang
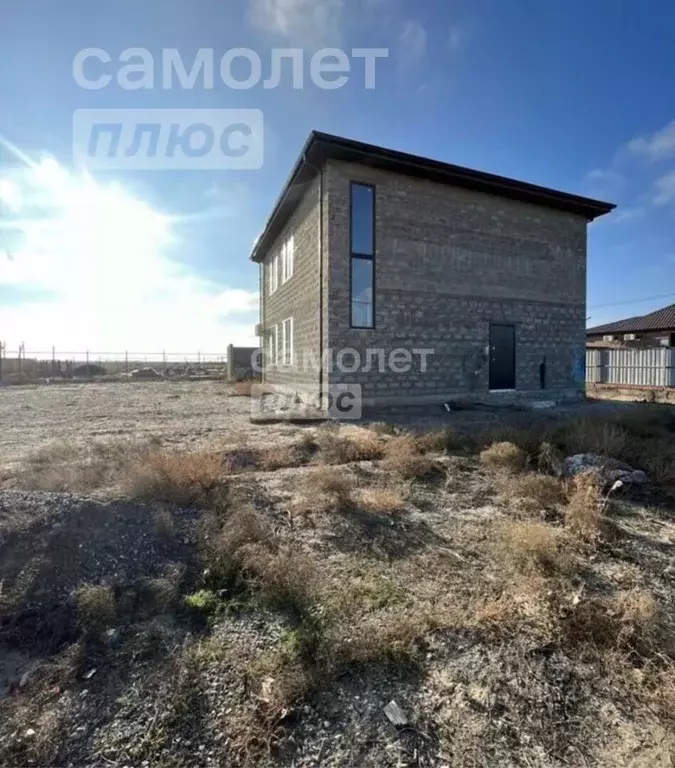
321,147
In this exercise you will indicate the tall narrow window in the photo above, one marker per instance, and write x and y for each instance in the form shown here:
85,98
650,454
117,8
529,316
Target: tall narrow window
362,255
287,256
287,354
272,346
273,274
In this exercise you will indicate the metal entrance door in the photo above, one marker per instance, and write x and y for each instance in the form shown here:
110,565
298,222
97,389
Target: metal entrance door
502,357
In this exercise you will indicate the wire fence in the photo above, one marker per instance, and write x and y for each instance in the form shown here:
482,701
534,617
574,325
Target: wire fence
21,364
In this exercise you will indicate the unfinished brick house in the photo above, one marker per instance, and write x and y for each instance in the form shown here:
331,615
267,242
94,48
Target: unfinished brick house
371,255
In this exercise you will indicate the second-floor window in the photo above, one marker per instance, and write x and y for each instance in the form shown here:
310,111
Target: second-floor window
287,258
273,274
362,255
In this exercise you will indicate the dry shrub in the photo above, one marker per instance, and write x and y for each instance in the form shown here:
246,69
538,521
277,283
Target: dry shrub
286,579
240,459
586,435
80,467
630,620
380,637
529,547
294,455
381,500
535,490
550,459
180,477
221,544
446,441
526,437
382,428
342,445
402,455
95,606
159,595
506,457
324,489
583,515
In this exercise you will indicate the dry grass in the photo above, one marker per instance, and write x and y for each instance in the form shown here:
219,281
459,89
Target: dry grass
534,491
296,454
180,478
529,547
326,489
628,621
446,441
222,542
286,579
96,608
583,515
550,459
384,637
587,435
504,456
381,500
403,456
80,467
382,428
343,445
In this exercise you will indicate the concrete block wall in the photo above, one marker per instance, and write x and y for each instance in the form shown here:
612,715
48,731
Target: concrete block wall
299,297
448,263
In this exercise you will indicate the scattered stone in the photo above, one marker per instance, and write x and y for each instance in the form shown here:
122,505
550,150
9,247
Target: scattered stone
395,714
609,470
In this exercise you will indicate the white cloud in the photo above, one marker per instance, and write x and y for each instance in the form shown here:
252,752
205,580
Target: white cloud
313,22
103,257
665,189
656,146
628,214
412,46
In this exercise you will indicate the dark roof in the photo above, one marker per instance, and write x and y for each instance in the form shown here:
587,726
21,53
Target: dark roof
661,320
320,147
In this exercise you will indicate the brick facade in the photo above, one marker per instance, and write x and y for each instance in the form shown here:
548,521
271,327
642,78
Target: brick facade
298,298
449,261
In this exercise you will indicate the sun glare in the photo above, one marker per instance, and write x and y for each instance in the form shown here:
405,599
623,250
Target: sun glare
98,236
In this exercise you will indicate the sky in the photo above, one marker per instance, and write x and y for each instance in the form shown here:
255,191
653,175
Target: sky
577,96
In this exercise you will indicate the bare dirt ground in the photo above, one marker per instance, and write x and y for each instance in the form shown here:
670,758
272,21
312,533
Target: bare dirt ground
183,414
179,587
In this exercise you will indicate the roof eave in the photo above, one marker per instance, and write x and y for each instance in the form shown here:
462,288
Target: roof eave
320,147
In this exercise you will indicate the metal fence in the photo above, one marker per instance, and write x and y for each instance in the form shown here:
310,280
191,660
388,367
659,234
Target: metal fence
645,367
26,364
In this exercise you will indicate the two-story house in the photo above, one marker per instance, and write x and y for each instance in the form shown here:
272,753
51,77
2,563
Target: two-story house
421,281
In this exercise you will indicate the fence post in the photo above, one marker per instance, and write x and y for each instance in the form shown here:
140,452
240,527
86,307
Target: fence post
2,352
230,362
88,375
164,362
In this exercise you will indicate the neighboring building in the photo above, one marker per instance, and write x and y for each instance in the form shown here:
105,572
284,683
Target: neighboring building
372,251
656,328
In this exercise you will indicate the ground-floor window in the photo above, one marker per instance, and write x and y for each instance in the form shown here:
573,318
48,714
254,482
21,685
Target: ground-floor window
272,345
287,339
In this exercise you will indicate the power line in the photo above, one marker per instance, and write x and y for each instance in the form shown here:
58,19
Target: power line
633,301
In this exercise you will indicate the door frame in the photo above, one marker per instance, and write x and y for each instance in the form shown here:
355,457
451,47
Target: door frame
512,326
